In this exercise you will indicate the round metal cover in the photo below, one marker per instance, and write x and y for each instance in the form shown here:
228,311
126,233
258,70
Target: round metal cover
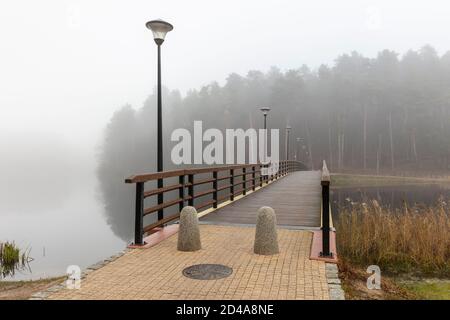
207,271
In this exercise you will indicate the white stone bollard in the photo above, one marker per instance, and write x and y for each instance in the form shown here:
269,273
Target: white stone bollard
189,232
266,240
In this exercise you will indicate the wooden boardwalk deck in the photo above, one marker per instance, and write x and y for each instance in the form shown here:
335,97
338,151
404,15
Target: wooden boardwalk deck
295,198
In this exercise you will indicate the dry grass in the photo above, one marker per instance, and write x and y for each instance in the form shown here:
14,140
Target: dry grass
412,240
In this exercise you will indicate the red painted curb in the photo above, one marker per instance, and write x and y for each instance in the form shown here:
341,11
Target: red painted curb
316,247
157,237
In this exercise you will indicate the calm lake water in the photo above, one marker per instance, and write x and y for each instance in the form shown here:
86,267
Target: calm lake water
72,231
391,196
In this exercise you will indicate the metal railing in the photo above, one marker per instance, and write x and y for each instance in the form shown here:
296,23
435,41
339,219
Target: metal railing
240,178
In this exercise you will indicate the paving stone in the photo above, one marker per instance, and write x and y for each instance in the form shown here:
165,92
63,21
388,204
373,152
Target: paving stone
42,294
331,267
334,281
337,294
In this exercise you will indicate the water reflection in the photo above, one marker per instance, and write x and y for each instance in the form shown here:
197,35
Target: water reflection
50,203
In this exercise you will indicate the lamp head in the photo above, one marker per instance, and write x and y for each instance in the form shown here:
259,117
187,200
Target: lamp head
159,29
265,110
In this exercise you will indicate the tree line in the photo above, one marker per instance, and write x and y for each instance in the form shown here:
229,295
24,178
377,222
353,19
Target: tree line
390,111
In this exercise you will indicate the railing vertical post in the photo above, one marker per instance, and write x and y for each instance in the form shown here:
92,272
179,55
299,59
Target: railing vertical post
253,178
231,184
325,219
266,176
160,199
191,190
325,182
215,189
139,217
181,191
244,183
260,176
277,174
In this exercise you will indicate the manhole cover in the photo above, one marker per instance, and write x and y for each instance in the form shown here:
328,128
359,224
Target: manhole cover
207,271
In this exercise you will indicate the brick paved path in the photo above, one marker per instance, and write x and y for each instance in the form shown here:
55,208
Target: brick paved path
156,272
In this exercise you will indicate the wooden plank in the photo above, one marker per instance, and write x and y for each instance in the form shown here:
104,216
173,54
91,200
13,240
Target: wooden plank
295,198
161,190
161,206
161,222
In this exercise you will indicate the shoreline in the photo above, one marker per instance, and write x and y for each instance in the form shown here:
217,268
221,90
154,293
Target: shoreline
24,289
348,180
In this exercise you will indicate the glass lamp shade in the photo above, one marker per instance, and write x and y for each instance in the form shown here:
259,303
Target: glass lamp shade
265,110
159,29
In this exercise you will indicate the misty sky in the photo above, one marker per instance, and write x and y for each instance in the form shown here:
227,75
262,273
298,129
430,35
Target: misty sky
67,65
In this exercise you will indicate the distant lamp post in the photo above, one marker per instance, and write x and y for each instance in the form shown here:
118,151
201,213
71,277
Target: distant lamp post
159,29
265,111
297,152
288,130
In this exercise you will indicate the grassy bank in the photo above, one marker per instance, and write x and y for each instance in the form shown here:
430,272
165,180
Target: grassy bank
432,289
412,242
358,180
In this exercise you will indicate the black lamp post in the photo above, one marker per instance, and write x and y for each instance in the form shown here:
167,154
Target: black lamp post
297,152
288,129
265,111
159,29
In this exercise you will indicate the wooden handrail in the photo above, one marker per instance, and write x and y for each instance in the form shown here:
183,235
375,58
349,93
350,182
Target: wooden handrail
175,173
154,176
249,177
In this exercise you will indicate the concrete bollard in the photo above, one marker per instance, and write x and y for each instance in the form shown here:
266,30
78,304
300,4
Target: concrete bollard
189,232
266,240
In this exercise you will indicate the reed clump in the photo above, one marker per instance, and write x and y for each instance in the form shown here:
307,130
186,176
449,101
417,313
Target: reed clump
12,258
408,240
